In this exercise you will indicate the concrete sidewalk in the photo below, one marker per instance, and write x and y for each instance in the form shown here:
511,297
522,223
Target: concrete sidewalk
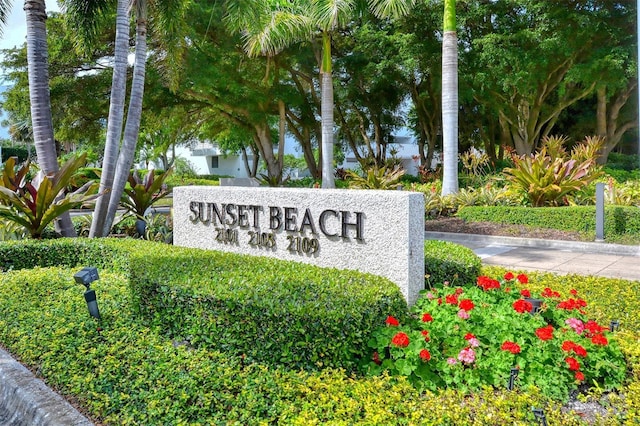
561,257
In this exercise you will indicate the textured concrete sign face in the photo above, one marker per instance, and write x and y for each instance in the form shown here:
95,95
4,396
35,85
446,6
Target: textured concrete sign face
380,232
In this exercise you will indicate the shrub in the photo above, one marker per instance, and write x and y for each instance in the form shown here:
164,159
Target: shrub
14,151
130,373
447,261
376,178
465,338
270,311
551,175
619,220
33,203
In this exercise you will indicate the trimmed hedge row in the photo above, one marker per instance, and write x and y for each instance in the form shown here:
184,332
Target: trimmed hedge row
265,310
447,261
619,220
127,373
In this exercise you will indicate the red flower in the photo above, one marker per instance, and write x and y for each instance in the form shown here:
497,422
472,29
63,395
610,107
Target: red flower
466,304
376,358
392,321
523,279
547,292
425,333
525,293
425,355
401,340
522,306
459,291
573,363
545,333
469,336
569,346
579,350
451,299
579,376
487,283
571,304
573,291
427,317
439,300
509,276
512,347
594,327
599,339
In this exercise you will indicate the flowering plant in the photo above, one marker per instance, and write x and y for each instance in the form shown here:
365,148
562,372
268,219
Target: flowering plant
469,337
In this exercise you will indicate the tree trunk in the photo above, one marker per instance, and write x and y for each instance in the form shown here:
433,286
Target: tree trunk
114,121
134,114
327,114
41,121
450,101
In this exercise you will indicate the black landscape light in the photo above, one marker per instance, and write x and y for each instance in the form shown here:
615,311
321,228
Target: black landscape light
614,325
85,277
540,416
512,378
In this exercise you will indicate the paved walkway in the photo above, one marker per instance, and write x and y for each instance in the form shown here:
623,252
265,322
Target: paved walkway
561,257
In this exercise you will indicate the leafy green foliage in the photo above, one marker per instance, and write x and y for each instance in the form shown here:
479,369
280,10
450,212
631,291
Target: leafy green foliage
36,203
142,193
551,175
131,373
467,337
376,178
445,261
272,312
619,221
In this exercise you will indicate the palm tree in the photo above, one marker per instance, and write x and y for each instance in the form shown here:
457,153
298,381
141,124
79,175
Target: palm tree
272,26
118,157
38,70
450,100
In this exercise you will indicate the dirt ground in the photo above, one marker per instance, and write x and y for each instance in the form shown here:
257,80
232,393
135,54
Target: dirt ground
454,224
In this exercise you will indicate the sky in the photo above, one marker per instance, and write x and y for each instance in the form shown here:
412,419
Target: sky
14,32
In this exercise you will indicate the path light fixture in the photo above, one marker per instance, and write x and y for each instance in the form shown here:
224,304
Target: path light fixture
540,416
512,378
85,277
614,325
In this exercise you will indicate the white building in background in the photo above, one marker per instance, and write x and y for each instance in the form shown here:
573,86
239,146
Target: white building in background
403,148
208,159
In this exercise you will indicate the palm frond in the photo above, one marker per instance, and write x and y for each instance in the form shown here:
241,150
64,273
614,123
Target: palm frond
332,14
391,8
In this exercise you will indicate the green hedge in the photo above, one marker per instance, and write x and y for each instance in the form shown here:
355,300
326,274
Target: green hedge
619,220
447,261
14,151
121,371
266,310
125,372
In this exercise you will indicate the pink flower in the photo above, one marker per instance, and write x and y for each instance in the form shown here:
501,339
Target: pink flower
463,314
467,355
451,361
473,342
430,296
576,324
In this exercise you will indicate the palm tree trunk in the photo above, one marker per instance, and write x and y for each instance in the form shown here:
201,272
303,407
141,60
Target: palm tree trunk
134,114
326,111
114,121
450,100
42,125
